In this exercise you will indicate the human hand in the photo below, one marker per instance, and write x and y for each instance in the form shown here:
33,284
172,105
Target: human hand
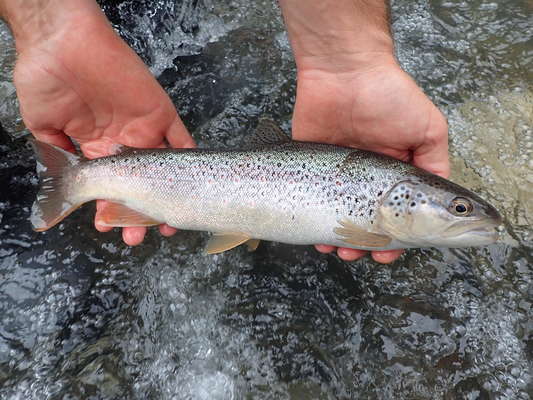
375,107
79,80
352,92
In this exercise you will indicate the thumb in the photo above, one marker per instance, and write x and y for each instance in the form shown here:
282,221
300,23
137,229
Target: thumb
178,136
54,137
432,154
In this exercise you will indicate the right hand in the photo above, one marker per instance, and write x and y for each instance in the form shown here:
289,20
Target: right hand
83,82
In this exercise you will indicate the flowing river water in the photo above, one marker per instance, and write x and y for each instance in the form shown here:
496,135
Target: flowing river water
83,316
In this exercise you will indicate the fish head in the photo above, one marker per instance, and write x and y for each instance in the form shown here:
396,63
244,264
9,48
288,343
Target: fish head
432,211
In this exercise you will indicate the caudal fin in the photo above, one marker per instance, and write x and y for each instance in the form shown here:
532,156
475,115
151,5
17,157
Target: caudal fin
52,203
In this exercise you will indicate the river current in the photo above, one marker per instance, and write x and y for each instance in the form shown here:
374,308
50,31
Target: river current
83,316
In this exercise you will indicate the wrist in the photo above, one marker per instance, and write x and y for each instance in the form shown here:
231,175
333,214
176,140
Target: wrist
346,61
35,21
344,51
338,35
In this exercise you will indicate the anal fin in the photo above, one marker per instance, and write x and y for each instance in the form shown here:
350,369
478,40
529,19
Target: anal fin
116,214
353,234
220,242
253,244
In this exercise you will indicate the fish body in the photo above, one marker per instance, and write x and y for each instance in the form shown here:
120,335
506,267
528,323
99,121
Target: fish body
287,191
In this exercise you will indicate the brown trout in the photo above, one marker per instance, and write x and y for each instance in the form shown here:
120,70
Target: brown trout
277,189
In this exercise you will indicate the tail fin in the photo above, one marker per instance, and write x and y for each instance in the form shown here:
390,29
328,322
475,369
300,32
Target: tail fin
52,204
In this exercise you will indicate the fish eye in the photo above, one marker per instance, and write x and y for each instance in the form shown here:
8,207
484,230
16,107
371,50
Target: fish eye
461,206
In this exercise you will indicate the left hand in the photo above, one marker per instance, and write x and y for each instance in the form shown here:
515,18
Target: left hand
377,107
79,80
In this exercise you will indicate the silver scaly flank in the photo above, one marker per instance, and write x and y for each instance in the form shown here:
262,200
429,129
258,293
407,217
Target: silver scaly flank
277,189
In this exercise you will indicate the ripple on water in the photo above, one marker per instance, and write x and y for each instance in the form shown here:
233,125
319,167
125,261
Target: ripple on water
83,315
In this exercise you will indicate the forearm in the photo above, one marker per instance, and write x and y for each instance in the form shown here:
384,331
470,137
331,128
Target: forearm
339,34
33,21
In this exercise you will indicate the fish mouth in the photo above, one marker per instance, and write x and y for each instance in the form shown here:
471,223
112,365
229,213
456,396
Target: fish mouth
480,235
475,233
481,226
488,231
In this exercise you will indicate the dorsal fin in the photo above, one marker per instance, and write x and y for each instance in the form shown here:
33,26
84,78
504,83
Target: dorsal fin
268,132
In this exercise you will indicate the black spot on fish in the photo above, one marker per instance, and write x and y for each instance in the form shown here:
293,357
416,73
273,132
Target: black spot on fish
419,195
397,215
423,201
407,196
370,212
395,197
413,204
380,192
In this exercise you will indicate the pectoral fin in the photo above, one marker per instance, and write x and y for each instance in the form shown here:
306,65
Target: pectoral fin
352,234
115,214
220,242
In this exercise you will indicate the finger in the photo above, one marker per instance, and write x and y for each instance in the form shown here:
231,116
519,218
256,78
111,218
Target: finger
100,205
350,254
166,230
54,137
101,228
386,256
178,136
133,235
324,248
432,155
